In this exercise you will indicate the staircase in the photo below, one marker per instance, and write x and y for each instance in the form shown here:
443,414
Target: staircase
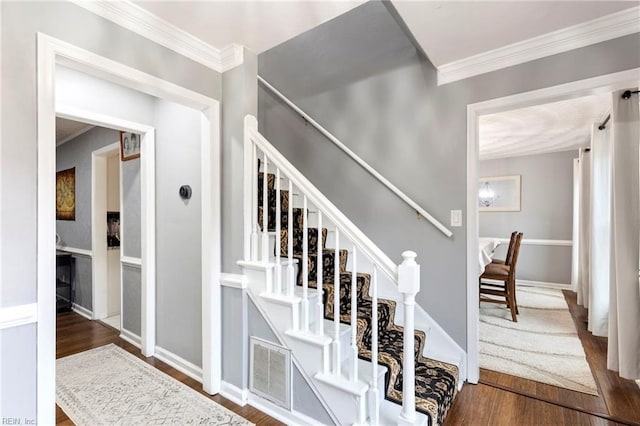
296,239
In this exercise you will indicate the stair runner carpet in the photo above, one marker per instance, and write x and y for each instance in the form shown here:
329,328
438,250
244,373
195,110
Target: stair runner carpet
436,381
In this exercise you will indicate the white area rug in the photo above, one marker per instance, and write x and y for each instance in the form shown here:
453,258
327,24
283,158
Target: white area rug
109,386
542,346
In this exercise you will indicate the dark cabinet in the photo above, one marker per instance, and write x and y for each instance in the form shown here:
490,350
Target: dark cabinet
65,269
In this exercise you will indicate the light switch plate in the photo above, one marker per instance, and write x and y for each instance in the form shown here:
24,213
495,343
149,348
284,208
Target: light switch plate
456,218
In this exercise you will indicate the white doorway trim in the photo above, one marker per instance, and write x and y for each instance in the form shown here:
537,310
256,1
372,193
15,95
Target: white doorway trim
595,85
99,228
50,52
148,233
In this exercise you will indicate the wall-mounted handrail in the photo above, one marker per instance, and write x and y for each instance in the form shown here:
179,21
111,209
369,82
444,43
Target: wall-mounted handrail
404,197
329,210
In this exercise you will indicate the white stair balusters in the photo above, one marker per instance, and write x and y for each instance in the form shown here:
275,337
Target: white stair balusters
408,285
336,306
278,269
254,204
290,272
319,287
374,393
353,371
305,266
265,213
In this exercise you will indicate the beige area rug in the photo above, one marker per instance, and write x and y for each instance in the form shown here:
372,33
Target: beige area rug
542,346
109,386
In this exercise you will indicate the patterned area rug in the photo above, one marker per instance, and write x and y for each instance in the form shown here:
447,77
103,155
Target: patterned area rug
436,381
542,346
109,386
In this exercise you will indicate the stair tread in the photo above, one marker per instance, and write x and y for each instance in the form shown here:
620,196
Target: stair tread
436,381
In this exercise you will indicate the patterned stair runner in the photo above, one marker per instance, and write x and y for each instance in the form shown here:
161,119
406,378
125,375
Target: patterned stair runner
436,381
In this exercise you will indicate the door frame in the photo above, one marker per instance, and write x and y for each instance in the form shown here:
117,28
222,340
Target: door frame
99,281
596,85
50,52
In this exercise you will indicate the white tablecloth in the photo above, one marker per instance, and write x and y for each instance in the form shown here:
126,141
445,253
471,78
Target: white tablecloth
487,246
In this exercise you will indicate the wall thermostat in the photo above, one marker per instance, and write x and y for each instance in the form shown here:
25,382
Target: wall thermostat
185,192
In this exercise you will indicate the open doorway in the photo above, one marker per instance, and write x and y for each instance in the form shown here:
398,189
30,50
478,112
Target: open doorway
488,178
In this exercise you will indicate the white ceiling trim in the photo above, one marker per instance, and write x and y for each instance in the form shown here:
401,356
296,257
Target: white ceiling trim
148,25
598,30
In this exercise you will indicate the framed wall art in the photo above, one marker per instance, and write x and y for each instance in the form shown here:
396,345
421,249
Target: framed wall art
499,194
66,194
129,146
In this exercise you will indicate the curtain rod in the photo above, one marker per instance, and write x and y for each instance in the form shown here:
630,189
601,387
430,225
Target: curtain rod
625,95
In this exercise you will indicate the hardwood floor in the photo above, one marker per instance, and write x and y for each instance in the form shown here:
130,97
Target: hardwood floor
500,399
76,334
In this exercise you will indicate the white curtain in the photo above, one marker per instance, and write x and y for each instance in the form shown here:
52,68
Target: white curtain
575,247
624,313
584,251
600,231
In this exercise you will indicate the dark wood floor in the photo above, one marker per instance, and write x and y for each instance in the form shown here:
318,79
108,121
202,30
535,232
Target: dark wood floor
500,399
76,334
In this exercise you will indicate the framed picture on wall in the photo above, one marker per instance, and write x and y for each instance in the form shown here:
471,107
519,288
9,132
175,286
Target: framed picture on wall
113,229
499,194
129,146
66,194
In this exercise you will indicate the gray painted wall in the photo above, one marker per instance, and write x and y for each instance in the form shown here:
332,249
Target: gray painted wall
15,362
131,299
303,398
380,97
178,231
239,98
77,234
546,213
234,306
20,22
77,153
132,208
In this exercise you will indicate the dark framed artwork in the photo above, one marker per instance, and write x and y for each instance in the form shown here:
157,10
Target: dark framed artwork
113,229
129,146
66,194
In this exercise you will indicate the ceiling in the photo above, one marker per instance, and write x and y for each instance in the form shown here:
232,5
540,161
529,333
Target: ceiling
67,129
553,127
446,30
449,31
258,25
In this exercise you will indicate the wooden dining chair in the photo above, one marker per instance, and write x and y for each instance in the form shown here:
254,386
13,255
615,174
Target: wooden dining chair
506,289
507,259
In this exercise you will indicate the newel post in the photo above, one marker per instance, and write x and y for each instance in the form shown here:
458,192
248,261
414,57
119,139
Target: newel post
409,285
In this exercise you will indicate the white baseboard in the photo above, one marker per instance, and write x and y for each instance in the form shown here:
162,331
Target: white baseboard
234,393
279,413
179,363
84,312
243,397
130,337
544,284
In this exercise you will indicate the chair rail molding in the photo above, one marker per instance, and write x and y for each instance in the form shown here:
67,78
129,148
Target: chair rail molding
76,251
538,242
142,22
404,197
601,29
15,316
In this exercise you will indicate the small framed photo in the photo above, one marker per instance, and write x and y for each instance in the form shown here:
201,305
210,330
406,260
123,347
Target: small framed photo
129,146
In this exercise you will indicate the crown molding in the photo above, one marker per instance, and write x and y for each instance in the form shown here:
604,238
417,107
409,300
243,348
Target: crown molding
601,29
146,24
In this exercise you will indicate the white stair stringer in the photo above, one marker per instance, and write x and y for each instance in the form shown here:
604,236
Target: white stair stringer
344,399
